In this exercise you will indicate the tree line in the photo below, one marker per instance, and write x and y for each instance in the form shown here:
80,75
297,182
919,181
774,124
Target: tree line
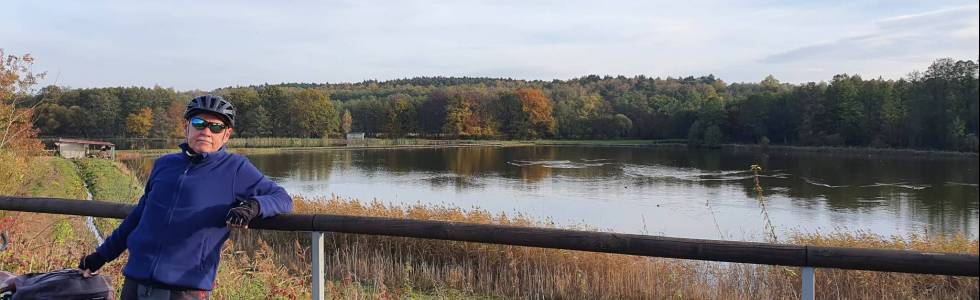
934,109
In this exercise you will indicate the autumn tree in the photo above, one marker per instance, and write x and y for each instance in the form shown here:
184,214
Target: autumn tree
346,121
139,123
17,80
311,114
175,111
458,113
18,138
526,114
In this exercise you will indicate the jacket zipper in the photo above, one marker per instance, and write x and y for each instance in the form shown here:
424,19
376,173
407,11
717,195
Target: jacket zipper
170,216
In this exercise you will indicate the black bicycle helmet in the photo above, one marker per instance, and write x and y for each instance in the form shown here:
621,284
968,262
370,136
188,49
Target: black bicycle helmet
214,105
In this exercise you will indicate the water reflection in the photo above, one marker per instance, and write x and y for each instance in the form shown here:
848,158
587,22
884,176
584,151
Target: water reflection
654,190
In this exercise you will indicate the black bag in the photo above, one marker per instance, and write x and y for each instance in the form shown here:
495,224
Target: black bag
62,284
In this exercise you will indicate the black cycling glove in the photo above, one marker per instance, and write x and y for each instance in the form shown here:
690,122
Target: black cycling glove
92,262
242,213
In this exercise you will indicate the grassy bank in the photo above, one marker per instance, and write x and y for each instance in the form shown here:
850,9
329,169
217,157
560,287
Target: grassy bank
44,242
55,177
108,181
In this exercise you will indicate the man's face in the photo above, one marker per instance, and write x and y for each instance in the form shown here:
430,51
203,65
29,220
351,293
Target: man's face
203,140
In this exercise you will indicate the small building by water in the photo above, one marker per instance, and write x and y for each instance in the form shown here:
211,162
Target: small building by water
355,136
73,148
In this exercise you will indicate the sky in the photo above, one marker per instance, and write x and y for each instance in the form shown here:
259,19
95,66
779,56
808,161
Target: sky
212,44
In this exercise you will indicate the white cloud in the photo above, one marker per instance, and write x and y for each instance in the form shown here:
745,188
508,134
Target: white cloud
210,44
894,46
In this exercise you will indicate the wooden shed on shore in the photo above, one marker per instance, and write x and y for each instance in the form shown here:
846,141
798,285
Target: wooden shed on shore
73,148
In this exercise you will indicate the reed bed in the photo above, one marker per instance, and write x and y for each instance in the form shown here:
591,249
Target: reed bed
362,266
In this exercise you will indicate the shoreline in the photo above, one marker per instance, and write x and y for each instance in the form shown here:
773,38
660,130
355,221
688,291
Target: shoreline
671,143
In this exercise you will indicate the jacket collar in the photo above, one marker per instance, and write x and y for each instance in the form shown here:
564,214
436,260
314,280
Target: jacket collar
197,158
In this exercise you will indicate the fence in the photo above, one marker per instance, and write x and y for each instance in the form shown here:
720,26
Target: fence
806,257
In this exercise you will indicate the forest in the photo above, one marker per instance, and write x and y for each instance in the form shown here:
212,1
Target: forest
934,109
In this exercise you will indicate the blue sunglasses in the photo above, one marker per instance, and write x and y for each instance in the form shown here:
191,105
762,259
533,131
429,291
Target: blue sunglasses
200,124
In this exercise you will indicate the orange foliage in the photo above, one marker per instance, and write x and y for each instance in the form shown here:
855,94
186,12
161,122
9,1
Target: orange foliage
139,123
16,81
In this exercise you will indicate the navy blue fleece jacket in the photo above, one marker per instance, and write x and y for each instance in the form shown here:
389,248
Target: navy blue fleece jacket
175,233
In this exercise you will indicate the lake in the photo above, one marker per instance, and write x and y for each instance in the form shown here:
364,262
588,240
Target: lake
662,191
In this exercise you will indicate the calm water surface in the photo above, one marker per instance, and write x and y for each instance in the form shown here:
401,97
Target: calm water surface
673,192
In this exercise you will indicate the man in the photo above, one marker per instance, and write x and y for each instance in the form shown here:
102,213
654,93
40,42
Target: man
175,233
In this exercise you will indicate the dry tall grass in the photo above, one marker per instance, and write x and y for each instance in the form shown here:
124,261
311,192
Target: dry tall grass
361,266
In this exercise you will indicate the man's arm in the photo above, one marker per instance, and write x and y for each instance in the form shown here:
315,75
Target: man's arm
115,244
272,198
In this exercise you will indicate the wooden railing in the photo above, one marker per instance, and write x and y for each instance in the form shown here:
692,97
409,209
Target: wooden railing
807,257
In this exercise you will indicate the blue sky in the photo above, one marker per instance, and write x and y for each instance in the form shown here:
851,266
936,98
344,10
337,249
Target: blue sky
211,44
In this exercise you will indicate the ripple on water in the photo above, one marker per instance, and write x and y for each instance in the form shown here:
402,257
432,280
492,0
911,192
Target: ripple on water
685,174
557,164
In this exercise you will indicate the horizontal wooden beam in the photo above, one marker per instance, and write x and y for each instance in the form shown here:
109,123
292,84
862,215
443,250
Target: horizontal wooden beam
904,261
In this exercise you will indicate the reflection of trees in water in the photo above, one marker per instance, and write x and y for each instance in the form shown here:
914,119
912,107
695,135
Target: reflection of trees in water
301,165
345,160
909,187
530,173
468,161
846,183
912,187
460,183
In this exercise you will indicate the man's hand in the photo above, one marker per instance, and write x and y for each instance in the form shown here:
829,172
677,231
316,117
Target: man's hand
242,213
91,264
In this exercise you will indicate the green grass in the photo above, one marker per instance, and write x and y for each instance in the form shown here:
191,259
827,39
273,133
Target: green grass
109,180
54,177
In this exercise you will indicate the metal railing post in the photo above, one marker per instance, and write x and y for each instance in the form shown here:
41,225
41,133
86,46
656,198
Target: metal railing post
318,257
806,292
